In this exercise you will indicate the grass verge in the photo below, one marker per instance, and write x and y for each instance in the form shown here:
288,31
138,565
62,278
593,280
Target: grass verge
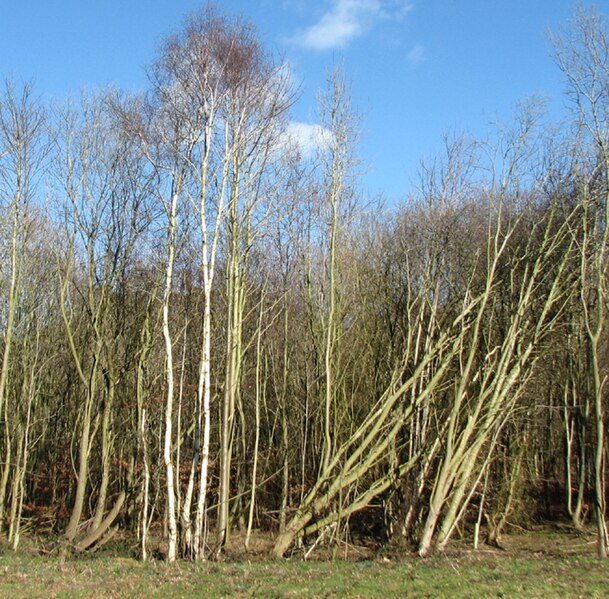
523,571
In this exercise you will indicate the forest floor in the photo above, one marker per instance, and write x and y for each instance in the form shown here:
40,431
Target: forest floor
545,562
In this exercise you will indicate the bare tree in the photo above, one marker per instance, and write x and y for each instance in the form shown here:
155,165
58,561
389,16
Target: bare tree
101,177
582,53
22,155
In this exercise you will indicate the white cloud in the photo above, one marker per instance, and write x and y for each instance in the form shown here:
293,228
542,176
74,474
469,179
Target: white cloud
349,19
416,55
308,138
396,9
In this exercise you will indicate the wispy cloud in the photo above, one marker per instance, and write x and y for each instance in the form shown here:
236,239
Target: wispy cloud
347,20
416,55
308,138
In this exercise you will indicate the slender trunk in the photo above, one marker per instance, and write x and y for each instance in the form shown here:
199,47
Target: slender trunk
599,473
167,446
179,436
285,441
330,335
569,438
145,487
142,448
6,466
186,508
481,508
236,298
106,452
578,511
13,291
204,395
259,391
83,470
31,395
16,265
208,258
15,486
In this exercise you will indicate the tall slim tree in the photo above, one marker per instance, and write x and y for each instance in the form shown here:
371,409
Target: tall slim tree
22,154
583,56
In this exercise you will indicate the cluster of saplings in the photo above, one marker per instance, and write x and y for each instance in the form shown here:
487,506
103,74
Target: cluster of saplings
206,330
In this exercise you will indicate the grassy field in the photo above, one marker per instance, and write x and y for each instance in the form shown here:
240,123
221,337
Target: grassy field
539,565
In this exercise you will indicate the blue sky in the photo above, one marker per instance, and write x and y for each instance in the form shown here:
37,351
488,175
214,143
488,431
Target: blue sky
418,68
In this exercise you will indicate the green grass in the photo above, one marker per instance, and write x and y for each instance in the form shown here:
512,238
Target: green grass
531,567
34,576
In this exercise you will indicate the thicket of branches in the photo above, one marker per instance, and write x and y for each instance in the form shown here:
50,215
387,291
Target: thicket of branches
205,328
